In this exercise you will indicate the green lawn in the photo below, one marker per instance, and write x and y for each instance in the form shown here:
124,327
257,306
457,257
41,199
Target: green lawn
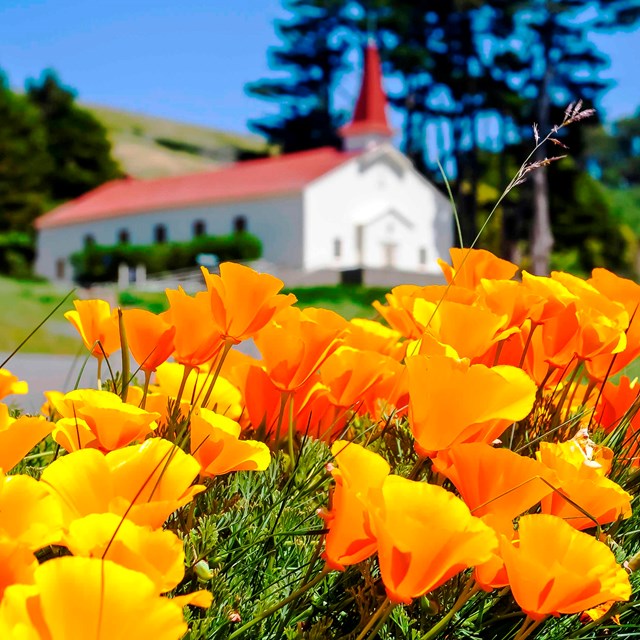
24,305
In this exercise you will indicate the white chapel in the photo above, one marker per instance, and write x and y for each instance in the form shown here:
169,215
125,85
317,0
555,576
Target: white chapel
318,213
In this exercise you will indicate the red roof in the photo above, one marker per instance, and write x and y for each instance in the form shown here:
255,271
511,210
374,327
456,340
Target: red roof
370,115
242,181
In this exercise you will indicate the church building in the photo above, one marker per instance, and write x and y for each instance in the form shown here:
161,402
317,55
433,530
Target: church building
318,213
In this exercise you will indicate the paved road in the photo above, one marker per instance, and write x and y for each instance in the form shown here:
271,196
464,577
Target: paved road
46,372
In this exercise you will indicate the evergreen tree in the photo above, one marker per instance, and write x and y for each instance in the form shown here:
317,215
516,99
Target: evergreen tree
314,43
563,66
24,162
76,141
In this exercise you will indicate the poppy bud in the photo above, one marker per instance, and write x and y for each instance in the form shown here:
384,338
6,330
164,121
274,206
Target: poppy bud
203,571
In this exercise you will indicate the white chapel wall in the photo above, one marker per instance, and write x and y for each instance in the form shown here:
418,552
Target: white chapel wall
276,221
406,223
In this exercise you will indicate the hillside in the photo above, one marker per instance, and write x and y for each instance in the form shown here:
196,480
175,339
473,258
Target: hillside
150,147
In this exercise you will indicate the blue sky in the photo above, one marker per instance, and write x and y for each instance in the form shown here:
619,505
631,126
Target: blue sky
189,59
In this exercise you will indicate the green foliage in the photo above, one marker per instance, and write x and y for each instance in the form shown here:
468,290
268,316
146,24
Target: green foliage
98,263
77,142
616,152
24,161
582,220
16,254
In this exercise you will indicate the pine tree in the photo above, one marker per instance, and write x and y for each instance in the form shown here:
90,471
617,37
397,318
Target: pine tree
563,67
77,142
314,43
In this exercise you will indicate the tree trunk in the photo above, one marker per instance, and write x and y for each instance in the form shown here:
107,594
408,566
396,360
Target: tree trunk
541,234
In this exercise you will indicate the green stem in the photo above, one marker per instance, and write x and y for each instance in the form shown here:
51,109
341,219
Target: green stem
99,374
292,453
528,627
377,620
283,402
283,603
225,350
469,590
145,391
527,344
126,364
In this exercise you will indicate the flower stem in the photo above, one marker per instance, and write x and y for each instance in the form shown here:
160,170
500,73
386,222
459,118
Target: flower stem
377,620
469,590
225,350
99,373
283,603
292,453
528,627
147,380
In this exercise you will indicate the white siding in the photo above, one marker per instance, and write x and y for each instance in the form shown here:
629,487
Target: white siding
276,221
400,214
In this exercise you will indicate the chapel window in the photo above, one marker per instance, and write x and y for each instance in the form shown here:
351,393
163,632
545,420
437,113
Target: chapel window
160,234
199,228
239,224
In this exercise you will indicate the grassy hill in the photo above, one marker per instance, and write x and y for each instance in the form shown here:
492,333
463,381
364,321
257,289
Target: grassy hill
150,147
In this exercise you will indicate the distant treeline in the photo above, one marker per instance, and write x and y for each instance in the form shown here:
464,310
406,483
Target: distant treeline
51,150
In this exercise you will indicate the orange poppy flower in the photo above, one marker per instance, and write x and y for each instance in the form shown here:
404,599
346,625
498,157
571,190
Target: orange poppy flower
583,483
471,265
449,322
619,409
146,482
494,481
627,293
79,598
296,343
618,401
17,564
29,514
555,569
156,553
96,323
452,401
9,384
513,299
309,407
398,311
225,398
353,376
359,475
150,338
243,301
100,420
215,444
425,536
369,335
196,339
19,436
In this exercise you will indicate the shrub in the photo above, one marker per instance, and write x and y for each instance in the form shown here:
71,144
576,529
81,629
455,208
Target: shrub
99,263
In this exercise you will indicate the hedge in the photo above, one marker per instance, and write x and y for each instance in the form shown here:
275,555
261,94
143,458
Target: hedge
99,263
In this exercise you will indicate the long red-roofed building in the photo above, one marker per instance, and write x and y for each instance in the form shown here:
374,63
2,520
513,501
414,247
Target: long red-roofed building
316,212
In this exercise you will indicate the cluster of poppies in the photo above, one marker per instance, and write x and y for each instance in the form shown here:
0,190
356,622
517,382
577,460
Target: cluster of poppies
505,385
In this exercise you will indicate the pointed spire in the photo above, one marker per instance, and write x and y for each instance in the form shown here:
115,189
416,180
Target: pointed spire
369,123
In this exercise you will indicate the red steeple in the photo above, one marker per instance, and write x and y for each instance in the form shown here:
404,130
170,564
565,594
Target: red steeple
369,117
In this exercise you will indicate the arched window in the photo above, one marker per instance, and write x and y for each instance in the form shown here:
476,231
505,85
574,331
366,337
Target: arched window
199,228
337,248
123,236
160,234
239,224
89,240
